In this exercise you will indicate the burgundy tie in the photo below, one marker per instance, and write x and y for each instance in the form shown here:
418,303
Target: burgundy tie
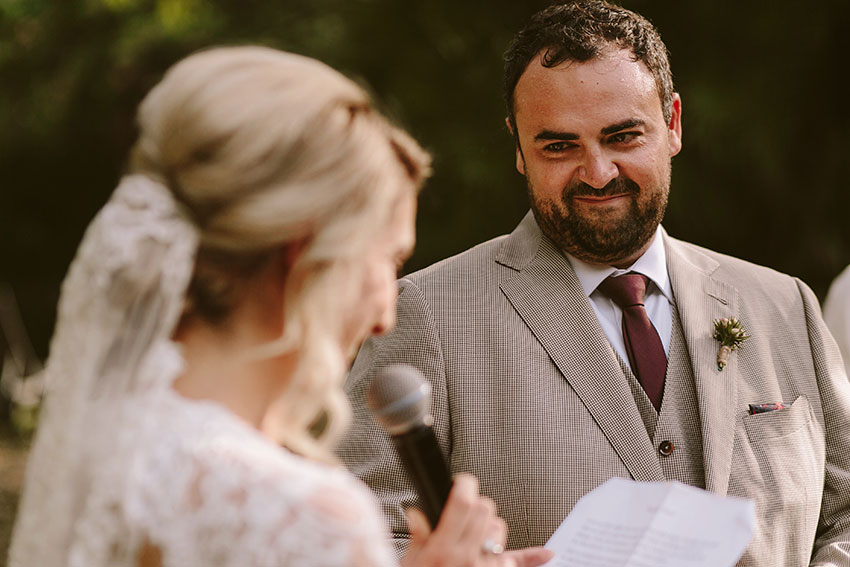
643,345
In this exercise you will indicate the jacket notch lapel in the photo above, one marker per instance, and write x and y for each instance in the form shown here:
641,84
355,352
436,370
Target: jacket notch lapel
549,298
700,300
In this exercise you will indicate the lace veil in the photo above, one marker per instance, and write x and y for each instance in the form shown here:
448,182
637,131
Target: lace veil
119,306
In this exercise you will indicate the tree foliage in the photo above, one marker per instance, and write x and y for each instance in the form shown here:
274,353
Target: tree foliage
761,174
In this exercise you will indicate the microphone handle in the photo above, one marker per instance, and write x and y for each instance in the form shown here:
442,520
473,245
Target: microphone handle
423,460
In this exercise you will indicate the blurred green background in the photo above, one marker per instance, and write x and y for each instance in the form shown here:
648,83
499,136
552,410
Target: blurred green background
762,174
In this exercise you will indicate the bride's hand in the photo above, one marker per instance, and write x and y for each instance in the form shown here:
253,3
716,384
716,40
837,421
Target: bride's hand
467,527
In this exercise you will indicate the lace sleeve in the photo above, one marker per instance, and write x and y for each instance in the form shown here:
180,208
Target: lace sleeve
238,506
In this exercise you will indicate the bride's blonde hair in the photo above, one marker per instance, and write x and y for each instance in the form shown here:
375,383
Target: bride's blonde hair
266,150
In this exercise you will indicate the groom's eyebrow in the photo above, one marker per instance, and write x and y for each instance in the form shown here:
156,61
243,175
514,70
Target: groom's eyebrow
624,125
553,135
556,135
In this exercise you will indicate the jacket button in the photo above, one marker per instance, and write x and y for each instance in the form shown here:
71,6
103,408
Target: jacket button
665,448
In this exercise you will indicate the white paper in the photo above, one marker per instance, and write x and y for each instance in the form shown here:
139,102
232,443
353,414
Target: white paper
623,523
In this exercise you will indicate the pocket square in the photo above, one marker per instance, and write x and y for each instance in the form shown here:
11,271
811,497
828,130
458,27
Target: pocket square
764,408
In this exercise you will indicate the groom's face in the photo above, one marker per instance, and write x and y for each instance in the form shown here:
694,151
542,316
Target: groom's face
595,149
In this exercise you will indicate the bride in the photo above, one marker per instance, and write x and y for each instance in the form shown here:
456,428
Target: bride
205,325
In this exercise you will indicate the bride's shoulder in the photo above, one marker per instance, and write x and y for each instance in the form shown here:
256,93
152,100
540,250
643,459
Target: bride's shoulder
201,448
208,477
207,436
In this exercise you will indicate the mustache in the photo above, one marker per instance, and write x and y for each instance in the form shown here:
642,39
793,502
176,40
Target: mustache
616,186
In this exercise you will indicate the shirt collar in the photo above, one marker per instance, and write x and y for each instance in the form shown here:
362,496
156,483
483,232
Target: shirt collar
652,264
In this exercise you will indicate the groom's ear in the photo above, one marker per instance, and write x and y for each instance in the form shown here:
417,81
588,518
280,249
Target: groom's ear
674,134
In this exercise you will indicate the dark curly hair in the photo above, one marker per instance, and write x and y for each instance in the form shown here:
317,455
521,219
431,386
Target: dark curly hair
581,30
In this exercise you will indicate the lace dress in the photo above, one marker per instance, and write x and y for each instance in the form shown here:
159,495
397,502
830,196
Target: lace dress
121,460
209,490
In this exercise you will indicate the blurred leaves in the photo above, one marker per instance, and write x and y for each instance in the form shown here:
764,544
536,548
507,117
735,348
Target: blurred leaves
764,126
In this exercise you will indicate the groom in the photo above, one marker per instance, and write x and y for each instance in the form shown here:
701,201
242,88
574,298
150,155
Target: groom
580,347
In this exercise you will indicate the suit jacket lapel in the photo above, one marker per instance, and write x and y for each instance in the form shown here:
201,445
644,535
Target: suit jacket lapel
547,295
701,299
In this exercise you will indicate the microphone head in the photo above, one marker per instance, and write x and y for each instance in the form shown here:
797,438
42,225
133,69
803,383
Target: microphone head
399,398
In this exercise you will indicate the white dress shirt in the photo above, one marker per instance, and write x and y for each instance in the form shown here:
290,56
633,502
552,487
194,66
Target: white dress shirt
658,301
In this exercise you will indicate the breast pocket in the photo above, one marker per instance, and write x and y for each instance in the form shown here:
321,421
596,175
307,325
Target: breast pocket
779,423
780,466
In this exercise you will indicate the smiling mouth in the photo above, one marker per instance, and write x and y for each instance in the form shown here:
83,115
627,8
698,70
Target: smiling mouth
600,199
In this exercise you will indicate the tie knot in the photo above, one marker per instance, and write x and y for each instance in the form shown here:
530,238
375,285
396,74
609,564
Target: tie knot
626,291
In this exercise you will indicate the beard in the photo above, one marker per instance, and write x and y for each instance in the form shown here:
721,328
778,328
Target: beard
600,238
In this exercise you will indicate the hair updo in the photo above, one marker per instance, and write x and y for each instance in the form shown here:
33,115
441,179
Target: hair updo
267,149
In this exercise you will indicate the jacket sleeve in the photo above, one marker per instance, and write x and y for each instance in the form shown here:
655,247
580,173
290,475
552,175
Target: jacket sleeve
832,542
836,314
366,449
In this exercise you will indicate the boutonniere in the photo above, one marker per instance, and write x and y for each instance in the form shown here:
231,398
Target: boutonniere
730,334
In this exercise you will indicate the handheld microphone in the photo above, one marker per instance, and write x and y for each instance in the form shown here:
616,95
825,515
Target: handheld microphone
399,398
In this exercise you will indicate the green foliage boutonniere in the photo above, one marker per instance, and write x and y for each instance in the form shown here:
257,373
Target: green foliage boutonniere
730,334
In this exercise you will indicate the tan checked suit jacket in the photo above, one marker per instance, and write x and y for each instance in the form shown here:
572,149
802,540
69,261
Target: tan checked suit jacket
529,396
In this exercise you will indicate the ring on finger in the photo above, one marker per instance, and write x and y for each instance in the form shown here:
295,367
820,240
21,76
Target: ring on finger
490,547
